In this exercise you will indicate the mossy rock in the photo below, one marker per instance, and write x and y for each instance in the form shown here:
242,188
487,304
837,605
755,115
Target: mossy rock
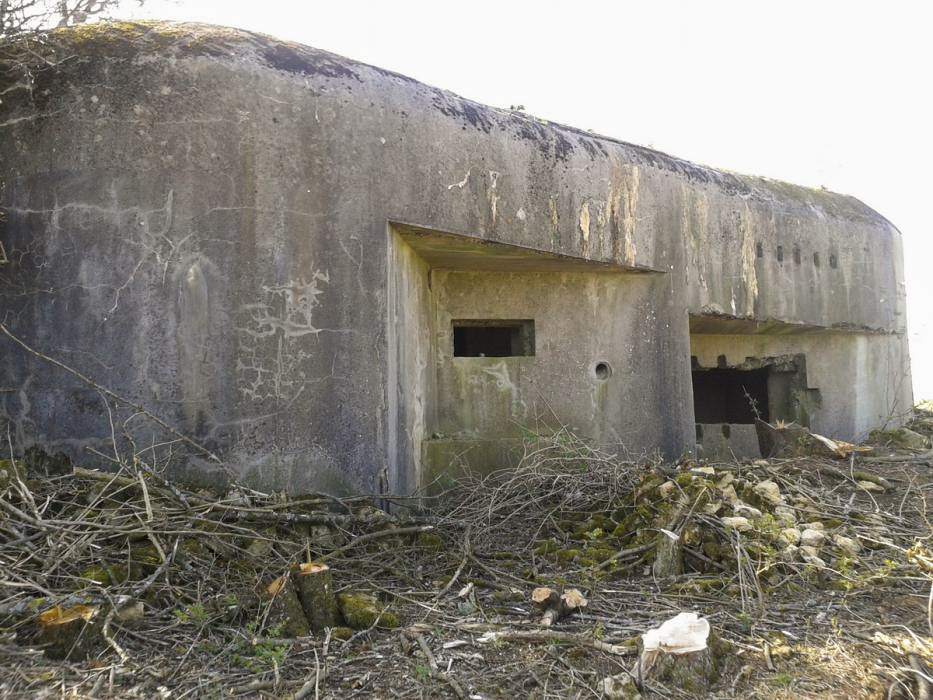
192,546
94,574
685,480
568,556
243,566
602,522
546,547
649,483
700,585
568,525
430,541
341,633
361,611
599,554
900,437
144,560
514,596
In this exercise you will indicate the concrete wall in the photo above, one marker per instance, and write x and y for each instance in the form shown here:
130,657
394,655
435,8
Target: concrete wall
208,222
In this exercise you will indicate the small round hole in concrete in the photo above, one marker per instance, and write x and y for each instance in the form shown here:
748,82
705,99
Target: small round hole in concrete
602,371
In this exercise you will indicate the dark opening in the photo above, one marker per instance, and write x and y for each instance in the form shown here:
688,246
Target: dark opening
797,254
719,395
816,259
832,261
759,250
780,253
493,338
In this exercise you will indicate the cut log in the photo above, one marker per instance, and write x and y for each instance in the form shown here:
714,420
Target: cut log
316,593
69,633
554,607
543,598
285,609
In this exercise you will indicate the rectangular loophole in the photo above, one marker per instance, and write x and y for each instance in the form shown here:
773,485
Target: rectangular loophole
493,338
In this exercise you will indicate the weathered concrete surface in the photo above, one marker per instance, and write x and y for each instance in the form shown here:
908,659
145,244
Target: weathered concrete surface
263,244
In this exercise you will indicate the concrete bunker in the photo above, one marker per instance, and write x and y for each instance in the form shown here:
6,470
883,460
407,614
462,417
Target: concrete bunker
332,277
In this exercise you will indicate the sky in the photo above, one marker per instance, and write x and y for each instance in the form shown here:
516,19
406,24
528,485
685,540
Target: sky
819,93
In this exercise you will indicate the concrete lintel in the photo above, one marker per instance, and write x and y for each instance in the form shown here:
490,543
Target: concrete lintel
460,251
722,324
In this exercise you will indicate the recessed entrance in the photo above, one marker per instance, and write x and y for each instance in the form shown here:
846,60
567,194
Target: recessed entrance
730,395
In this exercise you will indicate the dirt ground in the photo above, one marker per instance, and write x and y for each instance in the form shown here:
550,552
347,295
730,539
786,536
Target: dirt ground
176,578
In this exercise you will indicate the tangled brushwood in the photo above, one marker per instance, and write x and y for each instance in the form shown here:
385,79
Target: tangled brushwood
812,575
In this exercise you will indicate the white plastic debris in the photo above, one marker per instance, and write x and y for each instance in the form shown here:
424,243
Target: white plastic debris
683,634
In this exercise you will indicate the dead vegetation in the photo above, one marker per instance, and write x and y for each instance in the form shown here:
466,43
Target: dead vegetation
813,574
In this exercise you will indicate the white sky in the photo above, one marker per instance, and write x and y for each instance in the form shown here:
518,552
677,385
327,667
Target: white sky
817,92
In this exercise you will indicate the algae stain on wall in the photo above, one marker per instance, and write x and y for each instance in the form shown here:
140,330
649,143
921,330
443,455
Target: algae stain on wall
622,206
749,274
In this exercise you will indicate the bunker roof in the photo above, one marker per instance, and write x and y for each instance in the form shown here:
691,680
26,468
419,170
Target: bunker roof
114,40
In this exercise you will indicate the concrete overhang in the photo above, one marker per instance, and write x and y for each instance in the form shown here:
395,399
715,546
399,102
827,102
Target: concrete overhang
455,251
721,324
